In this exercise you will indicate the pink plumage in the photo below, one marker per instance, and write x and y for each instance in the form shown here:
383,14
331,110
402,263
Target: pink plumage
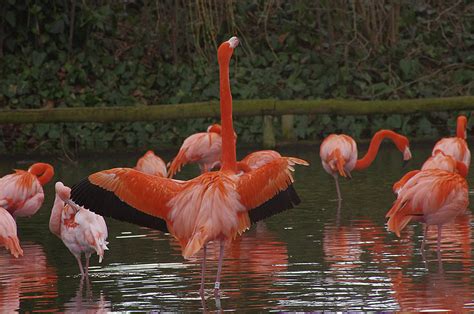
81,230
21,193
152,164
203,148
8,235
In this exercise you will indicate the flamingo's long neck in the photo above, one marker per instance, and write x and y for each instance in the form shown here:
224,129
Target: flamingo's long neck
461,127
229,158
369,157
43,171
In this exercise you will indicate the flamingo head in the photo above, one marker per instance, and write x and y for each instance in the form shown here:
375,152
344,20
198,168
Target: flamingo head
224,53
63,191
403,145
214,128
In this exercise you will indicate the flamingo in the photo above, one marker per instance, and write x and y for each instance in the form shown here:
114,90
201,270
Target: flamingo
215,206
151,164
21,193
203,148
338,153
439,160
456,146
8,236
82,231
434,197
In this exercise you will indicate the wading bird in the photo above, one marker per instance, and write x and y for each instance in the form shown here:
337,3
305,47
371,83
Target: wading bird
440,161
152,164
203,148
21,193
434,197
8,235
215,206
456,146
338,153
81,230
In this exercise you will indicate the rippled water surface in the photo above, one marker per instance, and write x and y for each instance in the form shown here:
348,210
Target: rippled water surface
313,257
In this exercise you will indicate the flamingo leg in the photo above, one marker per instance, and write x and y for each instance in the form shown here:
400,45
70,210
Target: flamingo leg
338,189
439,243
88,256
203,270
78,258
425,234
217,285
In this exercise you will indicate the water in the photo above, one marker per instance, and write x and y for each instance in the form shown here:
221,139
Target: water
309,258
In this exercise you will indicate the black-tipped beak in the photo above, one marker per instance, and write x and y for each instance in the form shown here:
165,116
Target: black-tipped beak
405,163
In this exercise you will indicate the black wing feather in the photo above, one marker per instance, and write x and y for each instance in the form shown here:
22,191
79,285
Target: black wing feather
106,203
284,200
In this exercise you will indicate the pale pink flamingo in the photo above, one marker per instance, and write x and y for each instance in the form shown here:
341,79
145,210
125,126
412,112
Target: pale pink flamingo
81,230
456,146
338,153
152,164
8,235
215,206
434,197
21,193
440,161
202,148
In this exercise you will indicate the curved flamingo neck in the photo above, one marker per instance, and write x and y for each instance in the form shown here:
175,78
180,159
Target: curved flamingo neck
43,171
461,127
229,158
374,146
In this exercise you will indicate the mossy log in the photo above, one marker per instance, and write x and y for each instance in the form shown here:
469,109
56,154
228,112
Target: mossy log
241,108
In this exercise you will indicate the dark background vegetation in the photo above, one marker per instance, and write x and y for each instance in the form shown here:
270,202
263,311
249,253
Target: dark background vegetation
139,53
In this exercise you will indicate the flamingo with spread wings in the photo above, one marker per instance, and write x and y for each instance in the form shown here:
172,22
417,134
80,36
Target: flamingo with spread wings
151,164
8,235
338,153
215,206
203,148
456,146
21,193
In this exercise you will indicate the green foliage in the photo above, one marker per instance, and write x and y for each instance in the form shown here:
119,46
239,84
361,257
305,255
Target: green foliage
109,53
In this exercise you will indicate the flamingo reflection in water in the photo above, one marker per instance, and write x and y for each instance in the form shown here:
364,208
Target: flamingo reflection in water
84,301
432,290
26,278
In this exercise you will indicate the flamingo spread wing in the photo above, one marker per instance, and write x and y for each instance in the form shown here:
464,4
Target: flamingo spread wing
269,190
128,195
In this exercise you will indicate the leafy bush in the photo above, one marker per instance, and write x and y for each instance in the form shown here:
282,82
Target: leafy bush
109,53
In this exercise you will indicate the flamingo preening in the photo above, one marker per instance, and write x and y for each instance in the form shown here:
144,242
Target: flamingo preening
21,193
203,148
215,206
456,146
82,231
434,197
151,164
338,153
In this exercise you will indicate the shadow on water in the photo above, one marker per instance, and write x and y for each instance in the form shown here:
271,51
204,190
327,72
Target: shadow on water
320,255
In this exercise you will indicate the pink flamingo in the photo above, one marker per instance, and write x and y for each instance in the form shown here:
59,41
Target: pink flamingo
202,148
456,146
21,193
434,197
215,206
438,161
338,153
152,164
81,230
8,236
